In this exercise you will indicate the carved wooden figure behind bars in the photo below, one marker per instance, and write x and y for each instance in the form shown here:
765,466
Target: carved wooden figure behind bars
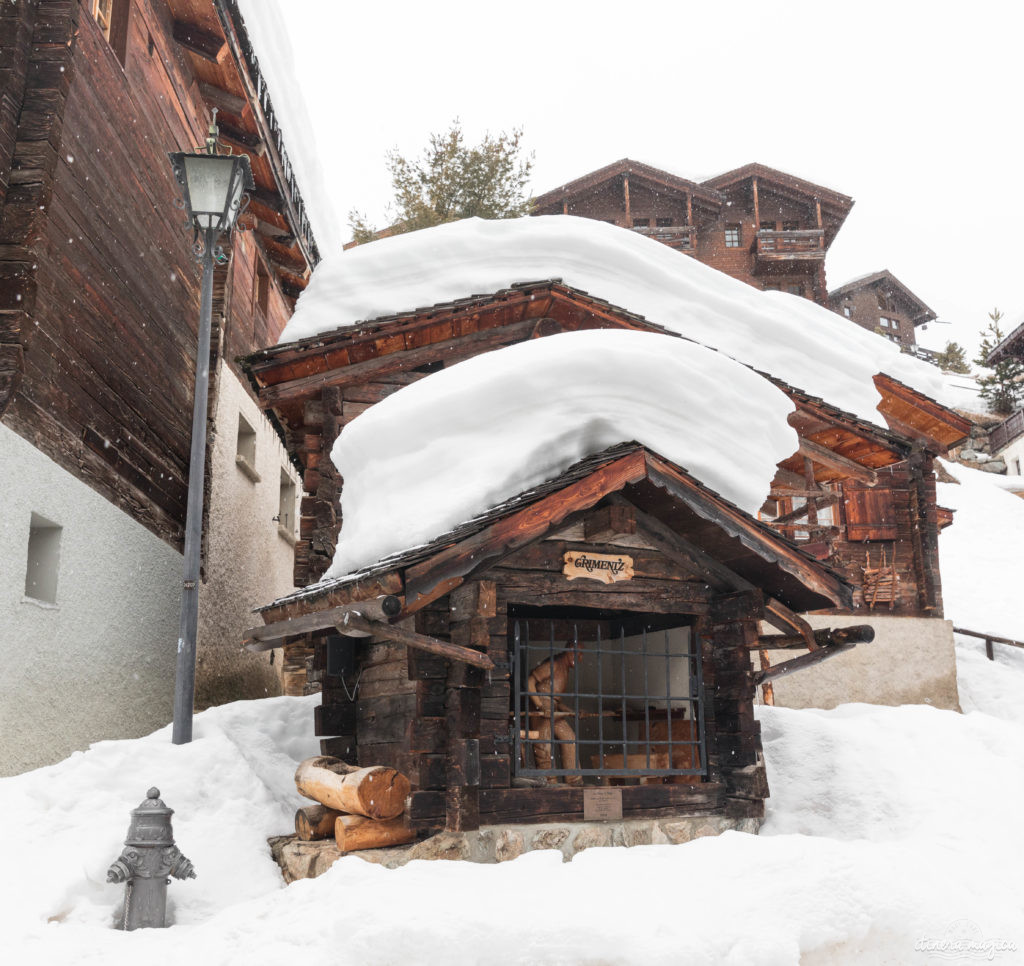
550,676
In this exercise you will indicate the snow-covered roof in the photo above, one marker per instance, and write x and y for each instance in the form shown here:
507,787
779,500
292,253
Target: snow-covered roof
792,338
448,447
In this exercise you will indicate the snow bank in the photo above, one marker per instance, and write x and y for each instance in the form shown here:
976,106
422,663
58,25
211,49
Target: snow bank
873,843
792,338
450,446
981,555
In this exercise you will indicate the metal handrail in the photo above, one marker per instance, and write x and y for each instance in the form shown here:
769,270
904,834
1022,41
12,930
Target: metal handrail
989,640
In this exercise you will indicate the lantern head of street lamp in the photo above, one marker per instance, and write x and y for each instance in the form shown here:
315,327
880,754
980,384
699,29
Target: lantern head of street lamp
214,186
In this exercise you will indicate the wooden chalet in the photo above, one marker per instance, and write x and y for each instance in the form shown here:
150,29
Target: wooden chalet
851,524
881,303
635,588
762,226
99,291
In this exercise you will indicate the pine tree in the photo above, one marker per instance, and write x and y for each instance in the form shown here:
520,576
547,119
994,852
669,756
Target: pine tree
1003,387
451,181
953,358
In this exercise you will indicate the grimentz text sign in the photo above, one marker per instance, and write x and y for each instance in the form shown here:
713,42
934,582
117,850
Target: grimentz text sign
597,566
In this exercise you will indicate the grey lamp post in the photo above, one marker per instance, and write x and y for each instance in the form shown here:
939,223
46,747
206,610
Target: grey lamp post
214,187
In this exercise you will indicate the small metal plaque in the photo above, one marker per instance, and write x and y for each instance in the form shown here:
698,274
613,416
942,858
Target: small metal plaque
602,804
597,566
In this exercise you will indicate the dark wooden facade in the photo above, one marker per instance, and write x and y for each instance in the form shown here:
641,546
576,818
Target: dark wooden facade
447,721
98,287
762,226
881,303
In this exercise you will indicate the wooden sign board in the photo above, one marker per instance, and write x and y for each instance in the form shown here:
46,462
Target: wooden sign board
602,804
604,567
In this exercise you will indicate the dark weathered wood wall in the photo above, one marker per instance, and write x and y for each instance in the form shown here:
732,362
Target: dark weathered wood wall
96,273
447,725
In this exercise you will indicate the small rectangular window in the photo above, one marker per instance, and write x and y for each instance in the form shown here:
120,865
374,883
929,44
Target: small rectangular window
262,288
641,222
663,222
766,225
795,289
884,322
732,236
286,507
112,17
245,449
895,323
847,311
43,559
791,226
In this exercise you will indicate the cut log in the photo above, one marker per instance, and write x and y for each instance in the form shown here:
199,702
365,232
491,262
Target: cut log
376,792
313,822
353,833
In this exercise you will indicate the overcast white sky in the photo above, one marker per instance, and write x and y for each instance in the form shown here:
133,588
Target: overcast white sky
913,109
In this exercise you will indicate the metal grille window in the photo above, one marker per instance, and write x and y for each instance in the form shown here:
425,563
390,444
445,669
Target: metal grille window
596,699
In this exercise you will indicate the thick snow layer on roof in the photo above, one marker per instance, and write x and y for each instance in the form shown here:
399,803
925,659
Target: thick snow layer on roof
789,337
457,442
264,22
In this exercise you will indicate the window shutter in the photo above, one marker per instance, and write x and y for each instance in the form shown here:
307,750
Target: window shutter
870,512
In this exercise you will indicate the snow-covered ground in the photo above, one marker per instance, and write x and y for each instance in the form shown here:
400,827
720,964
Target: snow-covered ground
889,831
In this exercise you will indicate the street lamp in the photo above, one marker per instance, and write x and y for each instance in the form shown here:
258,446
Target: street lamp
214,188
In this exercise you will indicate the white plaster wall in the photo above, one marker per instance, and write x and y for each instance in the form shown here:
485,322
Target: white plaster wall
248,562
910,661
1013,454
100,662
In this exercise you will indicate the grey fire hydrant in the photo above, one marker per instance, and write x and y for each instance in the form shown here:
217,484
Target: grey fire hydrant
149,856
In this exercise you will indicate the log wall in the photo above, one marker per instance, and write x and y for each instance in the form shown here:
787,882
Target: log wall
447,725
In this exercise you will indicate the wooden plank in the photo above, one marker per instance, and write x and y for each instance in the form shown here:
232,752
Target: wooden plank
200,42
268,636
799,663
833,460
505,536
380,631
449,350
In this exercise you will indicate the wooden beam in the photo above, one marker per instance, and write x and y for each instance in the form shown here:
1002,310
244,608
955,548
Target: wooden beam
832,459
680,550
818,503
799,663
507,535
202,43
221,99
825,637
738,524
757,208
270,635
382,631
779,615
393,362
248,143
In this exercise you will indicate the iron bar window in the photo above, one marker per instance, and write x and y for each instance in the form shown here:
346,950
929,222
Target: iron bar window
596,699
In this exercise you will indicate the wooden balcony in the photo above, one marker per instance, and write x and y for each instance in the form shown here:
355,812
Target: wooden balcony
1007,431
682,238
799,249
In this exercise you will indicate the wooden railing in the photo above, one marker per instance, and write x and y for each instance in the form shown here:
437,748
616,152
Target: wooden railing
1007,431
678,236
795,242
989,640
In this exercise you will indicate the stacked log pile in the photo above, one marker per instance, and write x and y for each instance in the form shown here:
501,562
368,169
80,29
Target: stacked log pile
362,808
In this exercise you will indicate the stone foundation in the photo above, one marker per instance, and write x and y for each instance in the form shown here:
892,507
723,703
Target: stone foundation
499,843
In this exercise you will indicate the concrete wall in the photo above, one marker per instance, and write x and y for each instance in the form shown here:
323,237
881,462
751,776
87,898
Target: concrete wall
249,559
99,662
910,661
